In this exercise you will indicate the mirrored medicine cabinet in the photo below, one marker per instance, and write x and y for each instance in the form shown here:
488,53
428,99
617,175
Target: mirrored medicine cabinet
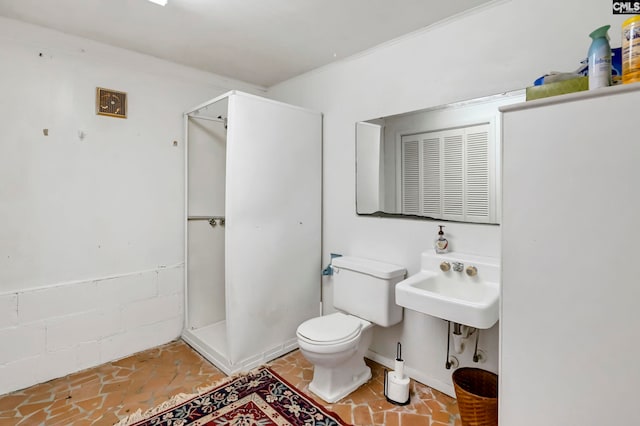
438,163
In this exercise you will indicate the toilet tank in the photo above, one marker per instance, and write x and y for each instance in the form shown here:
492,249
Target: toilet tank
366,288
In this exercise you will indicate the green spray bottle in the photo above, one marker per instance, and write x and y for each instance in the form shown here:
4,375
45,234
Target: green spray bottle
600,59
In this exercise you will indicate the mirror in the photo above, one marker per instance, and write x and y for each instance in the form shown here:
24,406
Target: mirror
438,163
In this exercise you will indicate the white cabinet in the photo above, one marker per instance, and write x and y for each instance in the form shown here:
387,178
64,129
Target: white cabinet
570,320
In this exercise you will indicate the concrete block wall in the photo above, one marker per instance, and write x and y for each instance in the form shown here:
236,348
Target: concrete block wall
53,331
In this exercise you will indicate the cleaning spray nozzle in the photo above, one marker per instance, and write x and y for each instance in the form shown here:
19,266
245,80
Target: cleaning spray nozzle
600,32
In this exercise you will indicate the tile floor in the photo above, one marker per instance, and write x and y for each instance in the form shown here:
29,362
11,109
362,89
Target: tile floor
107,393
367,405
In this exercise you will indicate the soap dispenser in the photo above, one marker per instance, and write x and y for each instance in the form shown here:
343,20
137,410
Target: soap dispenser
441,245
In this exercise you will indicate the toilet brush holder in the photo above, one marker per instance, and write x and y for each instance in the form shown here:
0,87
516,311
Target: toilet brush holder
396,388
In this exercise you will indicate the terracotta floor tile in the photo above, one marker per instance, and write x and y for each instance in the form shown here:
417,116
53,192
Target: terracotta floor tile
361,395
108,418
8,420
434,405
441,416
36,418
392,419
82,422
362,415
95,415
114,399
179,390
82,378
424,409
344,411
378,404
378,418
409,419
307,374
39,397
67,418
91,403
27,409
10,402
113,387
104,394
42,388
126,363
88,390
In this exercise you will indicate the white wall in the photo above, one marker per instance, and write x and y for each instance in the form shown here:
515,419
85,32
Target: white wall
504,46
91,234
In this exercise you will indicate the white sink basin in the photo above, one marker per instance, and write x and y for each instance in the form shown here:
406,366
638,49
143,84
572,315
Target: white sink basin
454,296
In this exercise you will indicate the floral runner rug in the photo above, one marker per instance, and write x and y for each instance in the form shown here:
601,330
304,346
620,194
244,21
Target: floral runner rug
259,398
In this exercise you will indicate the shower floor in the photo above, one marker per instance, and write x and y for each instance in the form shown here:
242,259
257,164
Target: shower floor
211,342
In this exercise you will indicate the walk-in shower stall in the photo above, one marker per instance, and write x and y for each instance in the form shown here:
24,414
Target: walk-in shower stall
253,227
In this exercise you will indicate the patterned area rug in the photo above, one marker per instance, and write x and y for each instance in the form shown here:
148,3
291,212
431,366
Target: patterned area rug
260,398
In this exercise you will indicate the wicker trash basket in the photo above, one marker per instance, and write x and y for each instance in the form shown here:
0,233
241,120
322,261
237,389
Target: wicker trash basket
477,394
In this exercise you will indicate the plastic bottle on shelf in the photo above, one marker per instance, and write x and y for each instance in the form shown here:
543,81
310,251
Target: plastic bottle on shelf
631,50
600,59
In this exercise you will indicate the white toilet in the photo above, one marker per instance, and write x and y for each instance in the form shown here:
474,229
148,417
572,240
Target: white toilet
364,292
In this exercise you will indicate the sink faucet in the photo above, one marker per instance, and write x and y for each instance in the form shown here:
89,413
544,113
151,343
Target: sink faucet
458,266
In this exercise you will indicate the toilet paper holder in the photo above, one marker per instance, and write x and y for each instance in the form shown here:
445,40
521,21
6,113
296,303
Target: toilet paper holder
396,384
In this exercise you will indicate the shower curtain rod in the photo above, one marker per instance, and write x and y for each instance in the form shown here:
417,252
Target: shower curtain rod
213,220
204,217
220,120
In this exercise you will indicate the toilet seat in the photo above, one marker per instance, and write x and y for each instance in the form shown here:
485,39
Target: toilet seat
330,329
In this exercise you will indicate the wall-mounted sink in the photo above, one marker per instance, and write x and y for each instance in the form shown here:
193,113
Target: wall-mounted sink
454,295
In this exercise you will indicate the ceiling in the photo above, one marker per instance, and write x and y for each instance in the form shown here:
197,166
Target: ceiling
262,42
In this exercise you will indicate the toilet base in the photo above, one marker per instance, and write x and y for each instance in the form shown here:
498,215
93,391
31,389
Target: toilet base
333,384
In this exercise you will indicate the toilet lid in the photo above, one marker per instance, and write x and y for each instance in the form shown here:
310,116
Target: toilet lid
331,328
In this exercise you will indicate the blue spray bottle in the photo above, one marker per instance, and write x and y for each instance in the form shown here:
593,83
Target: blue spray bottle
600,59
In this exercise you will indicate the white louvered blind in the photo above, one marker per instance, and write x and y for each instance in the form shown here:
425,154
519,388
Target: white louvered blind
477,177
410,176
453,175
446,174
431,194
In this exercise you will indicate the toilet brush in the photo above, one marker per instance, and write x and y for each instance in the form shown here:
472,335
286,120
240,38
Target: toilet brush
396,384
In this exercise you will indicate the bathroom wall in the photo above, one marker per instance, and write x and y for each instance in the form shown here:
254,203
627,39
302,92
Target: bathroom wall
91,241
500,47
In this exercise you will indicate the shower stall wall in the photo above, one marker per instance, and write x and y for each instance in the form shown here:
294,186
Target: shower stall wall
253,228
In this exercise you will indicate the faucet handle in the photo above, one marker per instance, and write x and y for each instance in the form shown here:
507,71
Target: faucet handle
472,271
445,266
